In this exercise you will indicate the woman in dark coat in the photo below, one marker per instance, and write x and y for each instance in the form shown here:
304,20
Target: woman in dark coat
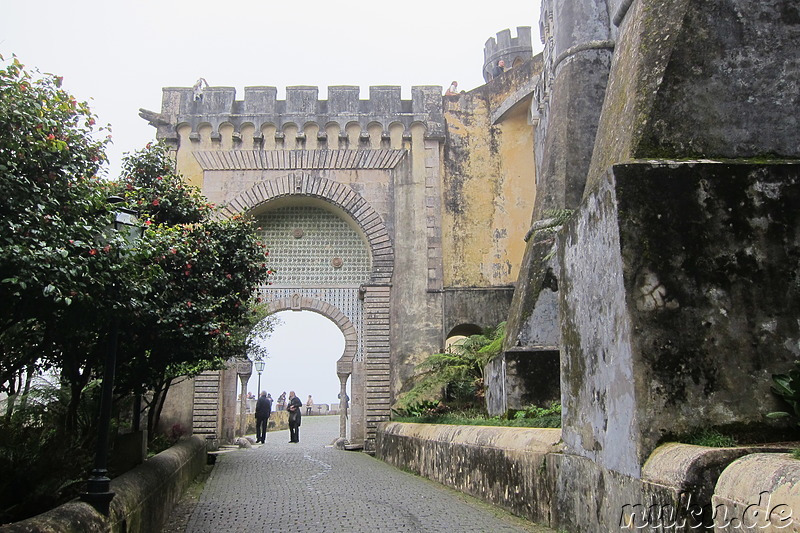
294,417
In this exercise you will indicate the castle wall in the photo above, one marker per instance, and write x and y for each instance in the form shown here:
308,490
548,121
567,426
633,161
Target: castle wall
702,80
383,155
450,179
416,307
488,185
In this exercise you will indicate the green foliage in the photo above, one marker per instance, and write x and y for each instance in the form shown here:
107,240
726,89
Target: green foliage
41,468
787,388
455,377
151,186
183,295
558,216
422,408
537,417
710,438
195,309
534,416
53,273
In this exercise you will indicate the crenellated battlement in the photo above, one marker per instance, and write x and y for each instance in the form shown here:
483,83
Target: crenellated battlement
302,111
512,50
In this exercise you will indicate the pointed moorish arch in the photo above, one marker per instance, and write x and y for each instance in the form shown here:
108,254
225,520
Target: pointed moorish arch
344,366
335,193
370,388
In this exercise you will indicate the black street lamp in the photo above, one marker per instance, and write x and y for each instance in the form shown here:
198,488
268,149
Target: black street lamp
259,364
98,486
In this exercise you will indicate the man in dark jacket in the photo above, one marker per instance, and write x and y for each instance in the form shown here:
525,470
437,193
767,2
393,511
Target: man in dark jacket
294,417
263,410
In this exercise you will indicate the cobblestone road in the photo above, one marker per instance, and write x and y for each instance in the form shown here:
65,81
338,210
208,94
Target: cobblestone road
312,487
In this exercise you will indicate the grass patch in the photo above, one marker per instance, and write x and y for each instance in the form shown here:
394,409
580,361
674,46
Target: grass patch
710,438
532,417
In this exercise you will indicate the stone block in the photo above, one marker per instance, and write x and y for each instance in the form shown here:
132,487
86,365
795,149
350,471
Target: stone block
759,492
679,292
343,100
302,99
385,100
260,100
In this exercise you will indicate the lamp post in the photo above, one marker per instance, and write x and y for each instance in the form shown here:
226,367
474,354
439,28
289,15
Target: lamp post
98,492
259,364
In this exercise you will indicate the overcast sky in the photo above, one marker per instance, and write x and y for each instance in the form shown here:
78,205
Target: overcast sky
303,352
119,55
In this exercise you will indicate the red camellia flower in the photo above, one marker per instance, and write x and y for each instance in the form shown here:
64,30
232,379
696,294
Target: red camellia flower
156,201
92,252
147,222
188,304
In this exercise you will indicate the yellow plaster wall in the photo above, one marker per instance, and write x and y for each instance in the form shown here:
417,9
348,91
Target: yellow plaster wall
488,193
185,161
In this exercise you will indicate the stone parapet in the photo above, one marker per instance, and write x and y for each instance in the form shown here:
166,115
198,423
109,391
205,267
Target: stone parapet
759,492
144,497
527,472
218,106
497,464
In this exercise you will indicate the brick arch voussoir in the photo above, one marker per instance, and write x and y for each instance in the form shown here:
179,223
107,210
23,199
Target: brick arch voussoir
330,312
338,194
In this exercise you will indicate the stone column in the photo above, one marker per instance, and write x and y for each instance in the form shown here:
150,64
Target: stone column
343,405
244,369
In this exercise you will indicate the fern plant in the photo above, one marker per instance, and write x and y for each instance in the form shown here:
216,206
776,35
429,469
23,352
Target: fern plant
457,374
787,388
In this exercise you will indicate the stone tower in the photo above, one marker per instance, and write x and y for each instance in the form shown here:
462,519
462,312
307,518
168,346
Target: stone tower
514,51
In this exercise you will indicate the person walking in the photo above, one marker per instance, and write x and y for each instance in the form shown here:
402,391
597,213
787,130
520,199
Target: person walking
309,405
294,417
263,410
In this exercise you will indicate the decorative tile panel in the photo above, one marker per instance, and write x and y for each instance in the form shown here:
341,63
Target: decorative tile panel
310,246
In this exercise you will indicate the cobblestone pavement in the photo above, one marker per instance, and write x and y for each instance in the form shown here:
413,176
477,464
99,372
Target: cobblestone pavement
315,488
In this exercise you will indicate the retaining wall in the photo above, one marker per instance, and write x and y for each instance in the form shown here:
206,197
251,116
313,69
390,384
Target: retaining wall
500,465
144,497
682,487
